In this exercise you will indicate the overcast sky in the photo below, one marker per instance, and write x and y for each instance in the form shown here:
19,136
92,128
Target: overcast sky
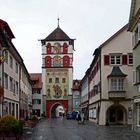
91,22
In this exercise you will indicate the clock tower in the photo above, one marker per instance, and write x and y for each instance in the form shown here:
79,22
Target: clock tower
57,71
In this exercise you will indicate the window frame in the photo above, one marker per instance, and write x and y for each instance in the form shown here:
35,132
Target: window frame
11,61
115,59
129,59
117,84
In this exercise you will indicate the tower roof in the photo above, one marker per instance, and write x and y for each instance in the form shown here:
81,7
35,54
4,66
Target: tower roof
57,35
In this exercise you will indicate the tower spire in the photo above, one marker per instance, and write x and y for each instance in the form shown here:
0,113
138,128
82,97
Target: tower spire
58,21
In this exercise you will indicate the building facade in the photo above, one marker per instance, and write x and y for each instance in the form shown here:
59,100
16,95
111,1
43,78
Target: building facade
134,27
36,80
85,96
25,97
57,71
10,73
76,96
15,87
110,81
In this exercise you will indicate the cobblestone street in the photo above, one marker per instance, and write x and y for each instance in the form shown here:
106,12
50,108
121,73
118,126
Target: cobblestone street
62,129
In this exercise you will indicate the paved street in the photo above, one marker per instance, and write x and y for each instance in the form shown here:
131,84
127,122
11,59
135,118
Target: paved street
62,129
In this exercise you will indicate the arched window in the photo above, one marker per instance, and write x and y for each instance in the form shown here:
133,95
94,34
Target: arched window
49,48
65,48
48,61
66,61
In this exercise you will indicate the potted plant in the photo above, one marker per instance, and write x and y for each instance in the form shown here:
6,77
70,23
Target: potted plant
10,126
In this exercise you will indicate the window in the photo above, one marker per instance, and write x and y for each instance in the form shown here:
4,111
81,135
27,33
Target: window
77,103
16,67
136,36
11,62
11,84
13,109
50,80
16,89
5,80
36,101
63,80
6,57
138,115
95,89
36,91
9,107
130,59
115,59
56,80
138,74
117,84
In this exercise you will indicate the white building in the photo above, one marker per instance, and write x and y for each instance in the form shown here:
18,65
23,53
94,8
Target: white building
111,81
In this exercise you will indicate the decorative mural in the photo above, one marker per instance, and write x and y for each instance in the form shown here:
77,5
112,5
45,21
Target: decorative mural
57,48
57,86
57,91
57,61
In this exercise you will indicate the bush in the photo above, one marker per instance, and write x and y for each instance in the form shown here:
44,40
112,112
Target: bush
9,123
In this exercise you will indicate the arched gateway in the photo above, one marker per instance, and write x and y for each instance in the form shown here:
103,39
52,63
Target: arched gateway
52,105
116,114
57,70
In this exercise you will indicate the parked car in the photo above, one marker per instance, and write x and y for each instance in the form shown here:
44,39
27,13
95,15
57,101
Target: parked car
71,115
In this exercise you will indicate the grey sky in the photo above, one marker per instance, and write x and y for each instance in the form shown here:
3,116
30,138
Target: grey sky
91,22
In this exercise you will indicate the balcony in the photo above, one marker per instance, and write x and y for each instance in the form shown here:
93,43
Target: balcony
117,94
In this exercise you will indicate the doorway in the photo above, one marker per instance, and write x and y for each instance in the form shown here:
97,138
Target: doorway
116,115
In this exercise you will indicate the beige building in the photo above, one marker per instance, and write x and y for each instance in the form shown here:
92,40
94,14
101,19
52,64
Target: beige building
110,81
25,94
15,87
134,27
10,74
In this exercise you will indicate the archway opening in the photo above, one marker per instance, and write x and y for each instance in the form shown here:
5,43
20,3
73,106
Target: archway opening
116,114
57,111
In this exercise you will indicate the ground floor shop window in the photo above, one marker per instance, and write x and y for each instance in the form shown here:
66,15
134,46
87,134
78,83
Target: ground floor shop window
92,113
138,115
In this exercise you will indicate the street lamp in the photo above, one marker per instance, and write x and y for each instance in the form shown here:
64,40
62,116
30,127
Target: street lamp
2,79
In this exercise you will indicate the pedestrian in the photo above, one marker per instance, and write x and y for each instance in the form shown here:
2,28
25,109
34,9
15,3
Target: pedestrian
82,117
78,117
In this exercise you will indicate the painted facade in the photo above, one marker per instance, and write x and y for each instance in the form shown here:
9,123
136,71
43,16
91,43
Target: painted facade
134,27
110,81
57,71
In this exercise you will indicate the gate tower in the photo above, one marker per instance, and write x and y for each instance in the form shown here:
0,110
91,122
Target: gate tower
57,70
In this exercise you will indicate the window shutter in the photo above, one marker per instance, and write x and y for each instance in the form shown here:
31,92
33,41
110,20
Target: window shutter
138,32
106,59
124,59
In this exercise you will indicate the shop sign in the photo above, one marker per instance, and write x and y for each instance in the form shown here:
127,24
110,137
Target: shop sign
137,100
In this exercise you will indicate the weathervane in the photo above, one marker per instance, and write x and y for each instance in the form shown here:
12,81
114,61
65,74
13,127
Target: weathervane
58,21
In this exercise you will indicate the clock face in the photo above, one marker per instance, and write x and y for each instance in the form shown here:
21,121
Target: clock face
57,61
